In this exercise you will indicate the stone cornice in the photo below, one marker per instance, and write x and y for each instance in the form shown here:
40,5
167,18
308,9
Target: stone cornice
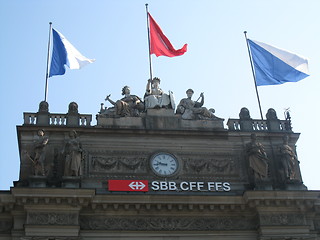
297,199
88,199
48,196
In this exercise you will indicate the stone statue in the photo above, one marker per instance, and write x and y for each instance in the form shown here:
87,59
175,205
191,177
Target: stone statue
288,159
73,108
129,105
73,155
40,154
155,97
43,107
258,161
244,114
271,114
190,109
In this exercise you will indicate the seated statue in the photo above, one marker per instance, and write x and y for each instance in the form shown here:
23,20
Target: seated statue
128,106
193,110
155,97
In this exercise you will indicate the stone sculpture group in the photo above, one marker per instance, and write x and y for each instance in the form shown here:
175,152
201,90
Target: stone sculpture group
156,98
259,163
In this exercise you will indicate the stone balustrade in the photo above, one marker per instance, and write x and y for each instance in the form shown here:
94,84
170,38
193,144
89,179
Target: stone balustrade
258,125
57,119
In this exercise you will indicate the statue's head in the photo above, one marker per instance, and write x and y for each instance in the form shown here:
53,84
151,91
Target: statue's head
253,137
155,80
125,90
73,134
40,132
189,92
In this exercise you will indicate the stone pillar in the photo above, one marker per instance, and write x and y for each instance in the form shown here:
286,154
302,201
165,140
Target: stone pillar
245,120
73,115
161,119
43,117
273,123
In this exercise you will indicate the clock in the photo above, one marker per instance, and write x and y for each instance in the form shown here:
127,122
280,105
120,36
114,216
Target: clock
164,164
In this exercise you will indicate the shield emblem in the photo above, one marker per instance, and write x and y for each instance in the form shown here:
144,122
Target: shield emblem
173,104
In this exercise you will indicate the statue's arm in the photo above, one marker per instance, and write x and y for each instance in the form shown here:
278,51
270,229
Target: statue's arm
199,104
148,87
137,100
202,99
109,100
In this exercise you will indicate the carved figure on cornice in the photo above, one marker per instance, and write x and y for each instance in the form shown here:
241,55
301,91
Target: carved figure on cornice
244,114
155,97
288,159
271,114
73,108
43,107
128,106
73,155
257,157
192,110
39,148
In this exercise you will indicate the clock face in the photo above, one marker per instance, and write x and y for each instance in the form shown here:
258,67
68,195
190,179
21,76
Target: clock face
164,164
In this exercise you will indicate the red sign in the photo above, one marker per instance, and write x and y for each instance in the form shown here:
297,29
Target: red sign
128,185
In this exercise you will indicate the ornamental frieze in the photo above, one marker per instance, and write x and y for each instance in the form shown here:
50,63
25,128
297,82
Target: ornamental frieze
165,223
282,219
112,162
223,166
52,218
117,164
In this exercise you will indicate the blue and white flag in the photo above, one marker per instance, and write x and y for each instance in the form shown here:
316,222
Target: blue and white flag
276,66
64,53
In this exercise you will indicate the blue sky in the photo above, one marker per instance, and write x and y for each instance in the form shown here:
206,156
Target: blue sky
114,33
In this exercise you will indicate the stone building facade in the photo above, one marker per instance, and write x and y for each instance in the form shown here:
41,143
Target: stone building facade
157,175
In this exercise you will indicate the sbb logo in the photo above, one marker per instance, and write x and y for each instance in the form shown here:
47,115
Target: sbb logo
128,185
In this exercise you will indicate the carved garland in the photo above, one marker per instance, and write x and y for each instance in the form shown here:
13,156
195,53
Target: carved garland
52,218
117,164
165,223
282,219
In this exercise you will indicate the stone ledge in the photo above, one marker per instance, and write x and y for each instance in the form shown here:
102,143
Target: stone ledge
202,124
54,231
123,122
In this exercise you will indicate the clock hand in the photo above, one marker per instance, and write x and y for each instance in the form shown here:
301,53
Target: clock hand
163,164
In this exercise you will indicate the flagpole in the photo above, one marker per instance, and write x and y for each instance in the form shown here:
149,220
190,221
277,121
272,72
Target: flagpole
253,73
148,28
47,72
